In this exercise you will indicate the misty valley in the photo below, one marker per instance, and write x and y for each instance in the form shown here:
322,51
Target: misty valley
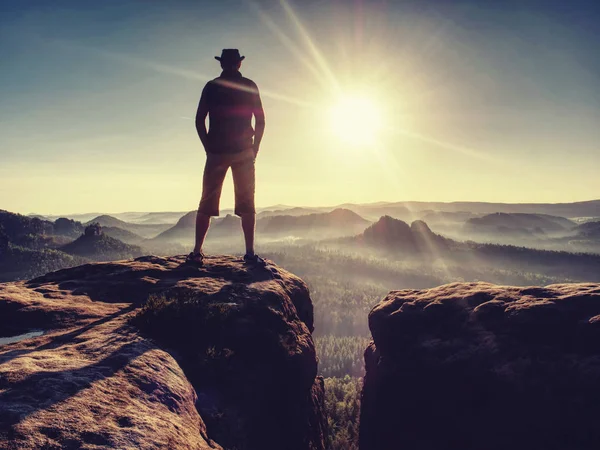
351,256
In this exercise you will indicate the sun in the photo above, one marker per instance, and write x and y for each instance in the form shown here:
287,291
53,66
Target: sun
356,119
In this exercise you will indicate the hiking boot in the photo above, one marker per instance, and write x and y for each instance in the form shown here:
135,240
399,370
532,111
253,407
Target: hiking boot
195,258
254,259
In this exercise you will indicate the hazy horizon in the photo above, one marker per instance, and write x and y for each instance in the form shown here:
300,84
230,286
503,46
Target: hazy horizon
497,103
285,206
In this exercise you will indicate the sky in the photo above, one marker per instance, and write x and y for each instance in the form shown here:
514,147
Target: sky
365,101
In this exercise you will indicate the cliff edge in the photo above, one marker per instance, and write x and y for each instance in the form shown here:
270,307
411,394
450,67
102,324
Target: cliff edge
153,353
475,365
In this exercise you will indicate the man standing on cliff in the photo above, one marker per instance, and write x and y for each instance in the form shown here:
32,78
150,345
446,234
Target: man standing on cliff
229,101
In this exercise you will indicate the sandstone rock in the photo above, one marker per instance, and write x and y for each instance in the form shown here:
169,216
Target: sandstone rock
480,366
225,358
395,235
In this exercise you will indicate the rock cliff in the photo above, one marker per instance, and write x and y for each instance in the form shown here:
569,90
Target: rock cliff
480,366
153,353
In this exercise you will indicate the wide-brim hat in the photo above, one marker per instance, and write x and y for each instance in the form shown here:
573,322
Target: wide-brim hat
230,55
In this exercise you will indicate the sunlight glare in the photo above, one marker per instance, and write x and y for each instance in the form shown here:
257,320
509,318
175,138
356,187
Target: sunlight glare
356,120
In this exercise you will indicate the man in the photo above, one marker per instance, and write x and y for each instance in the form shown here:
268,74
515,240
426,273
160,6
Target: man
229,101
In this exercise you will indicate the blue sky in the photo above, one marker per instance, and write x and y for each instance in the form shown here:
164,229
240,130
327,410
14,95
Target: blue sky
495,100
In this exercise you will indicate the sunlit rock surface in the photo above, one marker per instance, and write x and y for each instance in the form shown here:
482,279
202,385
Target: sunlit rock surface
480,366
222,357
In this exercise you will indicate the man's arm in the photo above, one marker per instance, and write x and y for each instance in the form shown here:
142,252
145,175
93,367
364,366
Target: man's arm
259,119
201,118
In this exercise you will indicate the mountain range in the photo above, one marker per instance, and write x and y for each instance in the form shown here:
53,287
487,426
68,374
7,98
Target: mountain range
54,244
100,247
339,222
144,230
398,240
372,211
519,222
30,246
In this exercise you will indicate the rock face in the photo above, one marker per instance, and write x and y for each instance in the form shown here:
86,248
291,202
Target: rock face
480,366
395,235
220,357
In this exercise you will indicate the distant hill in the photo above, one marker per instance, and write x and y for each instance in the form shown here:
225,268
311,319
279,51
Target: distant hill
28,246
408,210
169,218
298,211
101,247
561,264
83,218
576,209
519,223
123,235
394,235
441,217
18,228
398,240
226,226
586,238
34,233
339,222
376,210
183,230
19,263
144,230
108,221
68,227
582,220
589,230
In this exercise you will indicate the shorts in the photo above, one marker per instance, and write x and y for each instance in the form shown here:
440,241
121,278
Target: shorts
242,169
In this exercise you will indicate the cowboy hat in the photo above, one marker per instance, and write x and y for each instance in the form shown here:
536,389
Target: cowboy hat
230,55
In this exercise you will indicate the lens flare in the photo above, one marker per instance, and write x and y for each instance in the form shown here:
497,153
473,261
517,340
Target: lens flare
356,119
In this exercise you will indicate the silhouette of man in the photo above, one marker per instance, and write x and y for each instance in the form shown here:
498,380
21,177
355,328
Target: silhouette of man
229,101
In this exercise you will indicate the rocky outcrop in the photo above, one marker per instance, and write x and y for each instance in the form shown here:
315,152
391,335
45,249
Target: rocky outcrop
154,353
395,235
480,366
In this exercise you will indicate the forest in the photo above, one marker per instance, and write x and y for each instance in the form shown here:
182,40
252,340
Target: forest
346,285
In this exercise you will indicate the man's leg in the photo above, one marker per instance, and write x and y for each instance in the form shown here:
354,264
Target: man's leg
248,227
202,224
244,184
212,183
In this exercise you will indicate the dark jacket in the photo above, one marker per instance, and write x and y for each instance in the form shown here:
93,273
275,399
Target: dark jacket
231,100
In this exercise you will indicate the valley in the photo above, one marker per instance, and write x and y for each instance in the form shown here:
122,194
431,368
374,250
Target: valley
349,261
